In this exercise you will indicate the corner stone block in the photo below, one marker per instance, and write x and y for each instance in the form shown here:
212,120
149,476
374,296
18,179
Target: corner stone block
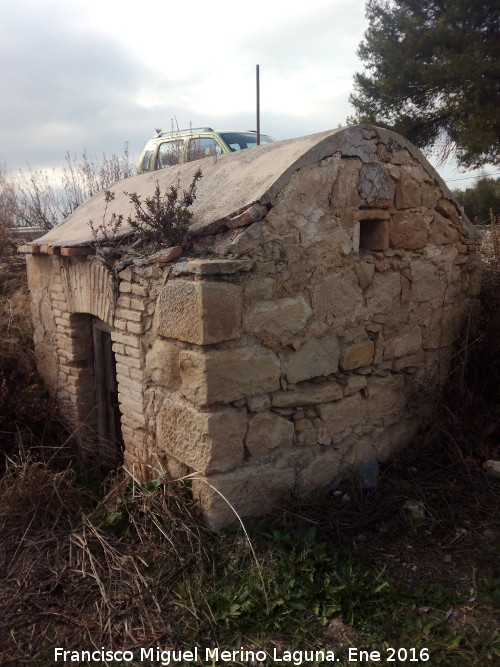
449,210
316,358
199,312
223,376
209,442
267,431
430,195
251,491
443,327
40,272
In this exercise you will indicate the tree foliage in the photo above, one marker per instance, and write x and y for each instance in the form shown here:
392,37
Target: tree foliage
481,201
433,74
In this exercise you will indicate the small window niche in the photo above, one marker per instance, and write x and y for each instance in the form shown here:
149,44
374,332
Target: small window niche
373,234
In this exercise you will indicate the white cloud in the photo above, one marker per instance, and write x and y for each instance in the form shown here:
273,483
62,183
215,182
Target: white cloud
96,73
93,73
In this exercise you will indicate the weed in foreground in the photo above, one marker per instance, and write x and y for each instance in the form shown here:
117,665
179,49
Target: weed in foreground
77,573
27,414
135,569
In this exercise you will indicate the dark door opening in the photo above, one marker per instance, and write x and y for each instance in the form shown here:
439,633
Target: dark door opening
106,390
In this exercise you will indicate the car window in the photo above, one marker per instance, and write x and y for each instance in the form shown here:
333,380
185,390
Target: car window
238,141
169,153
200,147
145,164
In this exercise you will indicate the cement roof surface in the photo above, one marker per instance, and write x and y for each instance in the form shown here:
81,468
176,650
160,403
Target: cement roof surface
230,183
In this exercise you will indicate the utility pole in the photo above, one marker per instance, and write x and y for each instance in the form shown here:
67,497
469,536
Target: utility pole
258,104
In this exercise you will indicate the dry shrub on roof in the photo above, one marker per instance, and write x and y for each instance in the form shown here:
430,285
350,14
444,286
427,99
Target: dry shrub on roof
164,219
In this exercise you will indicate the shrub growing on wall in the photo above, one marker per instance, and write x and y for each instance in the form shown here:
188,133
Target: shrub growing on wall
164,219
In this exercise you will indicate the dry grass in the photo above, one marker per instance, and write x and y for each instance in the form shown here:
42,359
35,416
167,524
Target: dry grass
82,576
490,248
7,217
43,198
28,417
15,322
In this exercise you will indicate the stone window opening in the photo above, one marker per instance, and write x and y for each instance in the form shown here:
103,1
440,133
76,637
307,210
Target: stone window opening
373,234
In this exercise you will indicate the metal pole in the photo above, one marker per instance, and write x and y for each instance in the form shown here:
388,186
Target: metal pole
258,106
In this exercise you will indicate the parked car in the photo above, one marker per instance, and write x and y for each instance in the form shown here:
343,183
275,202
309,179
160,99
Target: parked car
170,148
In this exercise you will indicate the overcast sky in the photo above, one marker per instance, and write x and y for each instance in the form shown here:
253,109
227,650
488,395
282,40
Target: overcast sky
93,74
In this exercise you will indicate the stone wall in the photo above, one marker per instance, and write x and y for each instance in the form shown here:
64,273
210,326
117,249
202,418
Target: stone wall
309,335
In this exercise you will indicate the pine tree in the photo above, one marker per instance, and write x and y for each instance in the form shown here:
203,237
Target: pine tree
433,74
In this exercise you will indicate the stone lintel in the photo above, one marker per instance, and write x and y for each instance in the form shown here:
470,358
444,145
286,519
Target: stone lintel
371,214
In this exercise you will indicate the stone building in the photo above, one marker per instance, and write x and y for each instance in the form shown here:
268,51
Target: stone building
306,329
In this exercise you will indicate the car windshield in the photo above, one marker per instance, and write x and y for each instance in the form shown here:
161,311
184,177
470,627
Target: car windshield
237,141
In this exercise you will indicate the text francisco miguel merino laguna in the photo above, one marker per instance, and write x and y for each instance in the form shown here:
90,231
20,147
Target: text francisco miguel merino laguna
165,657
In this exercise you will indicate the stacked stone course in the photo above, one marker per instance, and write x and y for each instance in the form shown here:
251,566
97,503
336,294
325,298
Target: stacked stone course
304,336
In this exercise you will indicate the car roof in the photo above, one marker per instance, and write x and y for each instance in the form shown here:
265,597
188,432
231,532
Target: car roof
201,130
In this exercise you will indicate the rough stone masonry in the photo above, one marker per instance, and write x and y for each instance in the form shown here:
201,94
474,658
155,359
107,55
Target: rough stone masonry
306,330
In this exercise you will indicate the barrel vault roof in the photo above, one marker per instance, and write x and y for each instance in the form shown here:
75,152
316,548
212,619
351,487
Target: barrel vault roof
230,183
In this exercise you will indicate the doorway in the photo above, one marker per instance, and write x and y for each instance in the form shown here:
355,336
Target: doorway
106,392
